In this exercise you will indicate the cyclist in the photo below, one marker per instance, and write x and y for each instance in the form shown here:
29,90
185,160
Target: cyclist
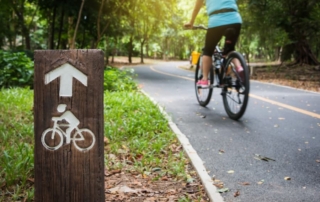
223,15
69,117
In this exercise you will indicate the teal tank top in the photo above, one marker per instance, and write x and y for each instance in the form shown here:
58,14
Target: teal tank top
221,19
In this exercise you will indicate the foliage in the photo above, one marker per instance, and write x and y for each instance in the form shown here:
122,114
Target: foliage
155,28
16,140
292,21
119,80
16,69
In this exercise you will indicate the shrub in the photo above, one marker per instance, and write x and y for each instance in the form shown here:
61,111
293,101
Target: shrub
119,80
16,69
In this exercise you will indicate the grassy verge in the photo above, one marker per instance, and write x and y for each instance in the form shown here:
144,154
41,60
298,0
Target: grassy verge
136,128
137,138
16,144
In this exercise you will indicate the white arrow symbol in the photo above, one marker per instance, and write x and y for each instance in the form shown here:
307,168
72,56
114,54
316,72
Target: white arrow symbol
66,72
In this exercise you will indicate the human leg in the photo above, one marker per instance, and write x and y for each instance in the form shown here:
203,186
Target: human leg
206,64
232,35
213,36
69,131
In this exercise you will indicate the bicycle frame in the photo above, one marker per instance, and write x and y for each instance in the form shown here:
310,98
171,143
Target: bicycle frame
57,126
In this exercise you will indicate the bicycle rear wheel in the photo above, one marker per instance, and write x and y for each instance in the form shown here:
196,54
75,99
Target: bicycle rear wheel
236,91
203,94
84,139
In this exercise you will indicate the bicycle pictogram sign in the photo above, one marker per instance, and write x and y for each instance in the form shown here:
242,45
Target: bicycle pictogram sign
52,138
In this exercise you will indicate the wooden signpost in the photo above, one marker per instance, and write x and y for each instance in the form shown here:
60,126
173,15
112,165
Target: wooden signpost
68,125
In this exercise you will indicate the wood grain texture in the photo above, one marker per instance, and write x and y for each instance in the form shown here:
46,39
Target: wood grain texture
67,174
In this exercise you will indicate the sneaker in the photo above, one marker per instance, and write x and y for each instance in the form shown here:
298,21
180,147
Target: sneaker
241,73
203,83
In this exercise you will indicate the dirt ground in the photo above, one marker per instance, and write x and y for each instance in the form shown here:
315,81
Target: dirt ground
299,76
123,185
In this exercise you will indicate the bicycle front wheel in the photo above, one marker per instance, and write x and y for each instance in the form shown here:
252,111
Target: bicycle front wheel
84,140
237,85
203,94
52,139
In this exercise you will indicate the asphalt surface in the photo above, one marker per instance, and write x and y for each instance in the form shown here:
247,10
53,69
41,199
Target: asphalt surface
280,123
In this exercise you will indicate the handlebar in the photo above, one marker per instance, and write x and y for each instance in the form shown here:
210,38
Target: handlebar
194,27
199,27
56,119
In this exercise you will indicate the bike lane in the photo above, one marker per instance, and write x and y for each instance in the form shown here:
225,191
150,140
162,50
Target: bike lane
228,147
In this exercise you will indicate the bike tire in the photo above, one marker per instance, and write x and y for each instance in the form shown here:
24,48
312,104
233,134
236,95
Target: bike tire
43,139
236,91
203,94
86,148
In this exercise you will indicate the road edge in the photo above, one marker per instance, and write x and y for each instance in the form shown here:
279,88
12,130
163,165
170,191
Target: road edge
196,161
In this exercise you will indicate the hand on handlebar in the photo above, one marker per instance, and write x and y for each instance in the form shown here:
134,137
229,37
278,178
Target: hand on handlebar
188,25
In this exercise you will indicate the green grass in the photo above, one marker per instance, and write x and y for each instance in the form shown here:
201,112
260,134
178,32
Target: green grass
136,127
133,126
16,143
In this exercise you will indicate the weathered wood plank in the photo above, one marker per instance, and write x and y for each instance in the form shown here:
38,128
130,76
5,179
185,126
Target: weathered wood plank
66,173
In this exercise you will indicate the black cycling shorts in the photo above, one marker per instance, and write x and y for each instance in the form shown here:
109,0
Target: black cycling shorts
214,35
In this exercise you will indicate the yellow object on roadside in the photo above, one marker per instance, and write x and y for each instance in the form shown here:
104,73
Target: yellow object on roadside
194,57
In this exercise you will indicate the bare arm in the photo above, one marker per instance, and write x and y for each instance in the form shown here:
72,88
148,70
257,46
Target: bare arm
195,12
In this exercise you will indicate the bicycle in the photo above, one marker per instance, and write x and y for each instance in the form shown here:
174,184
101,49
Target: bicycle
235,92
57,134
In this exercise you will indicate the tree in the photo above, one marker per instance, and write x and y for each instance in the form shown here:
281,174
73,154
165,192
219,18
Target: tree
77,26
149,21
295,18
21,8
110,14
7,28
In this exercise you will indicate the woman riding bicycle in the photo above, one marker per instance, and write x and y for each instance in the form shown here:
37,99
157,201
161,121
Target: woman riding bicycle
223,16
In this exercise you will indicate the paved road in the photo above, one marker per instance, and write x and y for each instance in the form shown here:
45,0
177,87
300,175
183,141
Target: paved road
280,123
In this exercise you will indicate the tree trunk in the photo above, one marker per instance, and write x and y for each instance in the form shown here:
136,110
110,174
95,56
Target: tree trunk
277,54
53,20
77,25
300,12
106,52
303,53
130,49
60,27
70,30
25,30
98,22
247,58
83,38
141,50
147,48
12,37
27,38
